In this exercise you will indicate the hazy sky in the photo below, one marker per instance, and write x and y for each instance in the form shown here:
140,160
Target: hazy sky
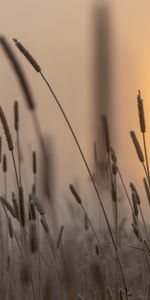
60,35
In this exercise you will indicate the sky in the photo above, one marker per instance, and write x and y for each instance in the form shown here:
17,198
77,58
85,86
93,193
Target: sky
60,34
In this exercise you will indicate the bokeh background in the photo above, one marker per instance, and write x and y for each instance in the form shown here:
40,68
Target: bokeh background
96,56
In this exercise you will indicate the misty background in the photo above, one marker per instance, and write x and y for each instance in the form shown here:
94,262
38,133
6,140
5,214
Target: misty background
96,56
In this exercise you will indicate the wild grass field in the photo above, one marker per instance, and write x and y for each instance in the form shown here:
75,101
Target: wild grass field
41,257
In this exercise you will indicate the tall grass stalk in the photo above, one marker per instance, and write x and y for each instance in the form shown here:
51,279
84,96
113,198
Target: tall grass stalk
38,69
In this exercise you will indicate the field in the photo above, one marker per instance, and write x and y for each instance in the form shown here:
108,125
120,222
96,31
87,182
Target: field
41,257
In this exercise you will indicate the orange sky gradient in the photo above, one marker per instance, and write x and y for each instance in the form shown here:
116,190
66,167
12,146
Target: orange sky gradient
61,37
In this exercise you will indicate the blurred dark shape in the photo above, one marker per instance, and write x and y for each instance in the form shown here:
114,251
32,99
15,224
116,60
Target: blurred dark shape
48,288
18,71
97,280
69,271
47,167
102,76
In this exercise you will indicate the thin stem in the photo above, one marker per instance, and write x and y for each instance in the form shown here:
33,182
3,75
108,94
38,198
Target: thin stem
145,251
5,185
126,192
144,224
96,237
19,157
38,131
93,230
146,156
56,262
34,181
90,175
116,224
148,179
148,293
15,168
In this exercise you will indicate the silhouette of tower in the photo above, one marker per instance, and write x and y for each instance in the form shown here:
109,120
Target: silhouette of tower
102,71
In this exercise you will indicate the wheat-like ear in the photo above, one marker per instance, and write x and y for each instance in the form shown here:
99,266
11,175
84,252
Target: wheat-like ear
16,116
27,55
135,207
4,163
6,130
15,204
141,112
133,189
137,146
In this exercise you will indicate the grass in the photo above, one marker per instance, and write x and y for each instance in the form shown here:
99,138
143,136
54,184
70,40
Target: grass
82,261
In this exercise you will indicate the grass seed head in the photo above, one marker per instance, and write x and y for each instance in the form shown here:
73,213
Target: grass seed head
137,146
27,55
16,116
141,113
6,130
